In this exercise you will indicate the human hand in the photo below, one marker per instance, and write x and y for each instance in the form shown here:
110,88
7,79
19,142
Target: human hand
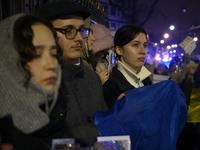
85,134
104,75
6,147
121,95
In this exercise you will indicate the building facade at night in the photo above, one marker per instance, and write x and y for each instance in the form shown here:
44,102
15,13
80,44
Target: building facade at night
182,14
115,17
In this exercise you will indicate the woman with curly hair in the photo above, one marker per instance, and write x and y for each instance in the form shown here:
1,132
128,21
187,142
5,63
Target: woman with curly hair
30,114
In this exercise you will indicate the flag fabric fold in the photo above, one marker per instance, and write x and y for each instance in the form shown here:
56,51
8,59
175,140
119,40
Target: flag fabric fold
153,116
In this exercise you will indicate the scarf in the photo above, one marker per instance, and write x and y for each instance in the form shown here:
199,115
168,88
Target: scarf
21,103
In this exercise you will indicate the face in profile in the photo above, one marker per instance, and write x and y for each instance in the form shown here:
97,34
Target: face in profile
44,67
192,70
91,40
134,53
71,47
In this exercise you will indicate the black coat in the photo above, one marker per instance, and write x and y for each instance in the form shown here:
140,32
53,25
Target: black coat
186,86
42,138
84,95
116,85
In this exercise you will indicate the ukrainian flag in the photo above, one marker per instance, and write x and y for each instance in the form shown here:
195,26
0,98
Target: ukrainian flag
194,107
153,116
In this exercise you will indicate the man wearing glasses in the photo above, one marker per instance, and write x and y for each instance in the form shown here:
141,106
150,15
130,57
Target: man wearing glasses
81,88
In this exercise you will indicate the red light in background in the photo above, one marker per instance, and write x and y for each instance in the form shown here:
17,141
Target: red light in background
158,57
192,27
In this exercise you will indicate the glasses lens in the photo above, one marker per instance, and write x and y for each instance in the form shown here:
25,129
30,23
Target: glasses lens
71,33
85,32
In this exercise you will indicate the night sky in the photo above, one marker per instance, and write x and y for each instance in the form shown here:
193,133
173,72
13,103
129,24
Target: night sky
170,12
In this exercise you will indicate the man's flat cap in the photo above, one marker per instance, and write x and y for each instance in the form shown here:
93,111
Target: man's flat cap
59,8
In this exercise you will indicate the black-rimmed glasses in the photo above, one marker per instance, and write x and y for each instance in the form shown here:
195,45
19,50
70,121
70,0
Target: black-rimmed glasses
71,33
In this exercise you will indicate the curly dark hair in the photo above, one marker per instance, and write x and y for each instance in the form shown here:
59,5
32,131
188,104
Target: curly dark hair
126,34
23,37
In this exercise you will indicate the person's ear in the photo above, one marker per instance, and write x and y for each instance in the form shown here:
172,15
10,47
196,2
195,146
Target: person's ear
27,67
119,50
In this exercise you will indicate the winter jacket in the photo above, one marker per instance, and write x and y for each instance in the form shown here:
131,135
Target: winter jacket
40,139
84,97
186,82
116,85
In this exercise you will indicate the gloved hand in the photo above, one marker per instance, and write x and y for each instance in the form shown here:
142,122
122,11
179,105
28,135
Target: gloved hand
187,58
85,135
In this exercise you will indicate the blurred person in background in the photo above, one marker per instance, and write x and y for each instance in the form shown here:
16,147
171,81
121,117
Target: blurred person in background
172,67
29,81
186,79
87,54
103,51
189,138
130,43
160,69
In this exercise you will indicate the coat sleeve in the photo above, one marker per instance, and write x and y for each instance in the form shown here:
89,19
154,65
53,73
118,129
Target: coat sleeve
19,140
104,106
111,92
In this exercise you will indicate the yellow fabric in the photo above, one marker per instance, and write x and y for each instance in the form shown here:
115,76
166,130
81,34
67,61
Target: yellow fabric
194,107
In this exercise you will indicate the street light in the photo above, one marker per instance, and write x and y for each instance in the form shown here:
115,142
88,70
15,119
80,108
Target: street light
155,44
166,35
195,39
172,27
162,41
168,47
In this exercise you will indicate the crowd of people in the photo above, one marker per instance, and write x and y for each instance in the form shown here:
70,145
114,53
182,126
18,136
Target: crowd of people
57,69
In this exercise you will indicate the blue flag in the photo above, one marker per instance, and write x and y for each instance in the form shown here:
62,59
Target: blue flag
153,116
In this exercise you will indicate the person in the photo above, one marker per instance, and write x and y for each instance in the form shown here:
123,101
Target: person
190,135
80,87
87,54
29,81
103,46
161,69
172,67
130,43
186,79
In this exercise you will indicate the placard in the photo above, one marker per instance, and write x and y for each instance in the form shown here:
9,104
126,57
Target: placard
188,45
113,143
